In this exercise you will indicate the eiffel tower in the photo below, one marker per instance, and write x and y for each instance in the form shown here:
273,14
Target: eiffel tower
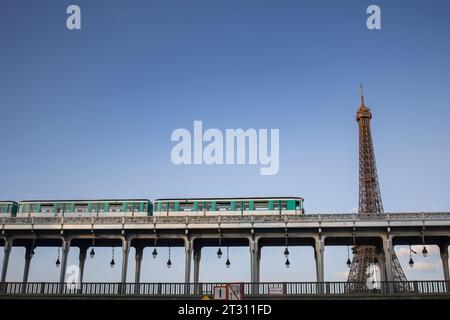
369,201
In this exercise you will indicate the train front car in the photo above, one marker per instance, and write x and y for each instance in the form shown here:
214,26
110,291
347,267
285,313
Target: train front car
8,208
229,206
86,208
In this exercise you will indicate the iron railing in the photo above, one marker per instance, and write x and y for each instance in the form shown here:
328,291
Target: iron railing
299,218
248,289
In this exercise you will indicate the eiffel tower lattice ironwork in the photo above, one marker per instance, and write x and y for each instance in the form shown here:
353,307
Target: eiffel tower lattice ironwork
369,202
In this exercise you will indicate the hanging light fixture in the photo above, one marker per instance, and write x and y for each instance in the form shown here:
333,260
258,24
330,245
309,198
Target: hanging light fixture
169,263
112,263
92,252
411,261
219,252
425,252
349,262
154,253
58,263
287,263
286,251
228,263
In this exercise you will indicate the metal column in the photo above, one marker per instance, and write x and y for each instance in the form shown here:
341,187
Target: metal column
197,258
26,268
81,263
187,262
7,248
444,257
125,253
65,247
387,252
318,255
137,273
138,256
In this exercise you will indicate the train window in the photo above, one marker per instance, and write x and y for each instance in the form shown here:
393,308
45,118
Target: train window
261,205
24,208
204,206
34,208
171,206
93,207
115,207
163,206
223,206
129,207
276,205
68,207
186,206
238,206
58,207
3,208
145,207
102,207
47,208
297,205
283,205
137,207
246,205
81,207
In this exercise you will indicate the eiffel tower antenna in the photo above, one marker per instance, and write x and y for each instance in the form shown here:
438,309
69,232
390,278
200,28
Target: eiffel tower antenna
369,201
361,92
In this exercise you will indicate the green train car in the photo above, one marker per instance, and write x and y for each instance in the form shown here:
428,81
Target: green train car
8,208
229,206
85,208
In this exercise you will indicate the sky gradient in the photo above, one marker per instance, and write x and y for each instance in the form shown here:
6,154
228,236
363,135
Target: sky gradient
89,113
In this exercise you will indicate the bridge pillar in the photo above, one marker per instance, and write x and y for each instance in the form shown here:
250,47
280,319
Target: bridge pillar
65,247
387,253
319,248
188,244
7,248
381,264
197,258
26,268
81,263
139,255
125,254
258,265
253,244
444,257
254,262
137,272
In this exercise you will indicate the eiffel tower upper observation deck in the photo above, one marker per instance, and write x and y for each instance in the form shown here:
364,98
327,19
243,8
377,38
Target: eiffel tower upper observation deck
369,199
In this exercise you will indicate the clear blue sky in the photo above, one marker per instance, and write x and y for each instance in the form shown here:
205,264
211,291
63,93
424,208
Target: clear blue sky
89,113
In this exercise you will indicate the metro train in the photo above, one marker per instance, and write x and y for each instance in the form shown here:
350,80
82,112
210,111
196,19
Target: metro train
161,207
